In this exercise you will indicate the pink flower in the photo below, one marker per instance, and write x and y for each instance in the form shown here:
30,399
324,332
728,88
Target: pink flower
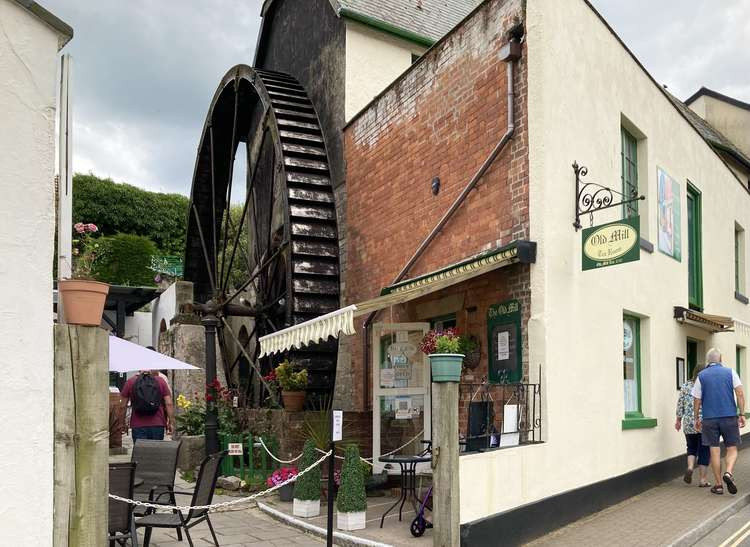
79,227
92,228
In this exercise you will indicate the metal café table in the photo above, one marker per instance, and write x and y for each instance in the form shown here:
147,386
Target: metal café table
408,466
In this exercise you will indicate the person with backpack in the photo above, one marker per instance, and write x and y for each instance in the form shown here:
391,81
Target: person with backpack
152,412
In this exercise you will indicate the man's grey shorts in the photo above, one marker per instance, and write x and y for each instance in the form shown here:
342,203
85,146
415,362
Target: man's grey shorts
728,428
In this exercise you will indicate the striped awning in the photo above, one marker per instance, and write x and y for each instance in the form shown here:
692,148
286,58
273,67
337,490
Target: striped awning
705,321
342,320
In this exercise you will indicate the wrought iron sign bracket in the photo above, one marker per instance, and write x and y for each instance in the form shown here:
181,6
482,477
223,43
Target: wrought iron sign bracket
592,197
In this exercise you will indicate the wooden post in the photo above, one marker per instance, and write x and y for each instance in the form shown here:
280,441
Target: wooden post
446,502
81,413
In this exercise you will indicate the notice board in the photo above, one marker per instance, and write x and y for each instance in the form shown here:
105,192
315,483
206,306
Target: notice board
504,342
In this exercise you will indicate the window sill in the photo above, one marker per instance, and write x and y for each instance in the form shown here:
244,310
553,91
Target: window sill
646,245
741,297
638,423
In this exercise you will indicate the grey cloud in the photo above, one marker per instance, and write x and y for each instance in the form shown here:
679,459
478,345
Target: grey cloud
145,71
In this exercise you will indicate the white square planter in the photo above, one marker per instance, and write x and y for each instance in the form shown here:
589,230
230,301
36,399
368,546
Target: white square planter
306,508
350,521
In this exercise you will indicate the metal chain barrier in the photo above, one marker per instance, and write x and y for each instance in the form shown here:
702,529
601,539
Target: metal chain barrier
222,505
274,457
368,461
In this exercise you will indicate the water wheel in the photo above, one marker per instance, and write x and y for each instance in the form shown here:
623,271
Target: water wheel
276,264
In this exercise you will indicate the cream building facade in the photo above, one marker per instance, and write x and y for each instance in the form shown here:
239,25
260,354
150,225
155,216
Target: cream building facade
30,38
585,89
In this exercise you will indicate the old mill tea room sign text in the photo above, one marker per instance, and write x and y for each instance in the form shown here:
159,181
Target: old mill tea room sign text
612,243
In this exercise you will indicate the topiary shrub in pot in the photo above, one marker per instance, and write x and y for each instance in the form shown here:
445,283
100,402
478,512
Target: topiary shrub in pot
307,487
351,501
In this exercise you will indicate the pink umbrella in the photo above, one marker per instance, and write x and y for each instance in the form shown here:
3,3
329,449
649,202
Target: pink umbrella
126,356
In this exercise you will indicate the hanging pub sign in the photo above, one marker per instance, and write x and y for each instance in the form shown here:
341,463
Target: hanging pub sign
612,243
504,347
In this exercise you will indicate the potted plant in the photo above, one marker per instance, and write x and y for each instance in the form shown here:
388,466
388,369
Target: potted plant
351,501
82,297
307,487
444,349
286,492
293,383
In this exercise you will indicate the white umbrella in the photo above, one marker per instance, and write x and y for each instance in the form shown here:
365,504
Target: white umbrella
126,356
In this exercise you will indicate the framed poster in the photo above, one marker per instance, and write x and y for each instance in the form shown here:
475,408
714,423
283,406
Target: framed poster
681,374
504,342
668,215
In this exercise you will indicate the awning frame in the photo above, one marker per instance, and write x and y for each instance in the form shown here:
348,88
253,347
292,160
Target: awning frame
711,323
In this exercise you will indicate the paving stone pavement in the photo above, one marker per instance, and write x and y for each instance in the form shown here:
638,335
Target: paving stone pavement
658,516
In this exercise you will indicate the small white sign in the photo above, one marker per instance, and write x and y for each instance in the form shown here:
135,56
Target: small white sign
338,425
235,401
503,346
387,377
235,449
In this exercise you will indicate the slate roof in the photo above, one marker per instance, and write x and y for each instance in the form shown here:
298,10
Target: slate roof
433,20
714,137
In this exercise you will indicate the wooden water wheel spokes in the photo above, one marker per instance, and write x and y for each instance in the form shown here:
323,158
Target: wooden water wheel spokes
276,263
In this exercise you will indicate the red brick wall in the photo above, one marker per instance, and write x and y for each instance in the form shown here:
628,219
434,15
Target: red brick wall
442,119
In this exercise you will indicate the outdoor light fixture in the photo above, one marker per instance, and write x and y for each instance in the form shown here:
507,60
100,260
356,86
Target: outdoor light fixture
435,186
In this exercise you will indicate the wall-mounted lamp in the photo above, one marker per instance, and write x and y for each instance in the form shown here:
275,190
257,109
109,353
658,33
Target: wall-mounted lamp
435,186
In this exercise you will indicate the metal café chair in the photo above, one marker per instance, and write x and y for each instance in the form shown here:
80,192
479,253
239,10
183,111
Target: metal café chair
202,495
121,522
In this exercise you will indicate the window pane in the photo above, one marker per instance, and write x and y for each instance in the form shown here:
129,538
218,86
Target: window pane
630,364
629,172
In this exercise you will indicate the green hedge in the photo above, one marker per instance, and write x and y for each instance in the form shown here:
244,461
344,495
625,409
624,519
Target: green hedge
122,208
125,260
352,496
307,487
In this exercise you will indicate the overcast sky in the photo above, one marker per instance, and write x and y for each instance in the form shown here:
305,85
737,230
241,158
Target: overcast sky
145,71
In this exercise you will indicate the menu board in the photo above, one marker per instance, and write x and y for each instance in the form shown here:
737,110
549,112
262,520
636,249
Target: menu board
504,335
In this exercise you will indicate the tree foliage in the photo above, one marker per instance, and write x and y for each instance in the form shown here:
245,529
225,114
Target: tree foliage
122,208
307,487
352,496
125,259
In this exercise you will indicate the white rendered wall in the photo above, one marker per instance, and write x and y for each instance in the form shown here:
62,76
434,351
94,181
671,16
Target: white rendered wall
373,60
731,120
162,308
28,64
581,81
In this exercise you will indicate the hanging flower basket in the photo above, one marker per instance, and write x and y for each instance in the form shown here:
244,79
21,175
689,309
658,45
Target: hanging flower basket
83,301
446,367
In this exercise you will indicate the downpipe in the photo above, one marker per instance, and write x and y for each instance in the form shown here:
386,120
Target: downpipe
510,53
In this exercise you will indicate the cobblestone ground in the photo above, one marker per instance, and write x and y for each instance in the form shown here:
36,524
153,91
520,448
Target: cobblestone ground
658,516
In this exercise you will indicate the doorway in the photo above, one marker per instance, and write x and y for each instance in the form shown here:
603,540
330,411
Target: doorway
401,390
692,356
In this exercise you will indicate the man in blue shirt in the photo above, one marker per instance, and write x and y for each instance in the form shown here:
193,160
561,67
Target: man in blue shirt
714,391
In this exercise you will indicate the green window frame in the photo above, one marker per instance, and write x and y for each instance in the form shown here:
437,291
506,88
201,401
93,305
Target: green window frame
695,253
629,175
739,259
738,360
634,418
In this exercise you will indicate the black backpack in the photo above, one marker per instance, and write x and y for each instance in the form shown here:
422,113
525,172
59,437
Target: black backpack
147,397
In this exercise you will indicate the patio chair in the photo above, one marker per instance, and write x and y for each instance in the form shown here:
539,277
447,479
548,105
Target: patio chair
202,495
121,522
157,465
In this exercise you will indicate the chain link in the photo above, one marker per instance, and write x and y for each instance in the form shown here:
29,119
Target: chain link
368,460
221,505
274,457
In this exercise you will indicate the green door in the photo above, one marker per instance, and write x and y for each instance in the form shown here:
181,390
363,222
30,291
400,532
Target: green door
692,357
695,269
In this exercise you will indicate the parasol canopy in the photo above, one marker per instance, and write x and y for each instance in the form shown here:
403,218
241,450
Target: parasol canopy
126,356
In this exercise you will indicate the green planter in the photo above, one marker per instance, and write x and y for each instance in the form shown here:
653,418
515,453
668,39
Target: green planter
446,367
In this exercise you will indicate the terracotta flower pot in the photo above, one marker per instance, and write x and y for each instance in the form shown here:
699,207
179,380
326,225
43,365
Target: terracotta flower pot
83,301
293,400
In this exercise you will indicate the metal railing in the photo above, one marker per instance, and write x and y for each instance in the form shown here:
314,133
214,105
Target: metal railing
254,464
501,415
